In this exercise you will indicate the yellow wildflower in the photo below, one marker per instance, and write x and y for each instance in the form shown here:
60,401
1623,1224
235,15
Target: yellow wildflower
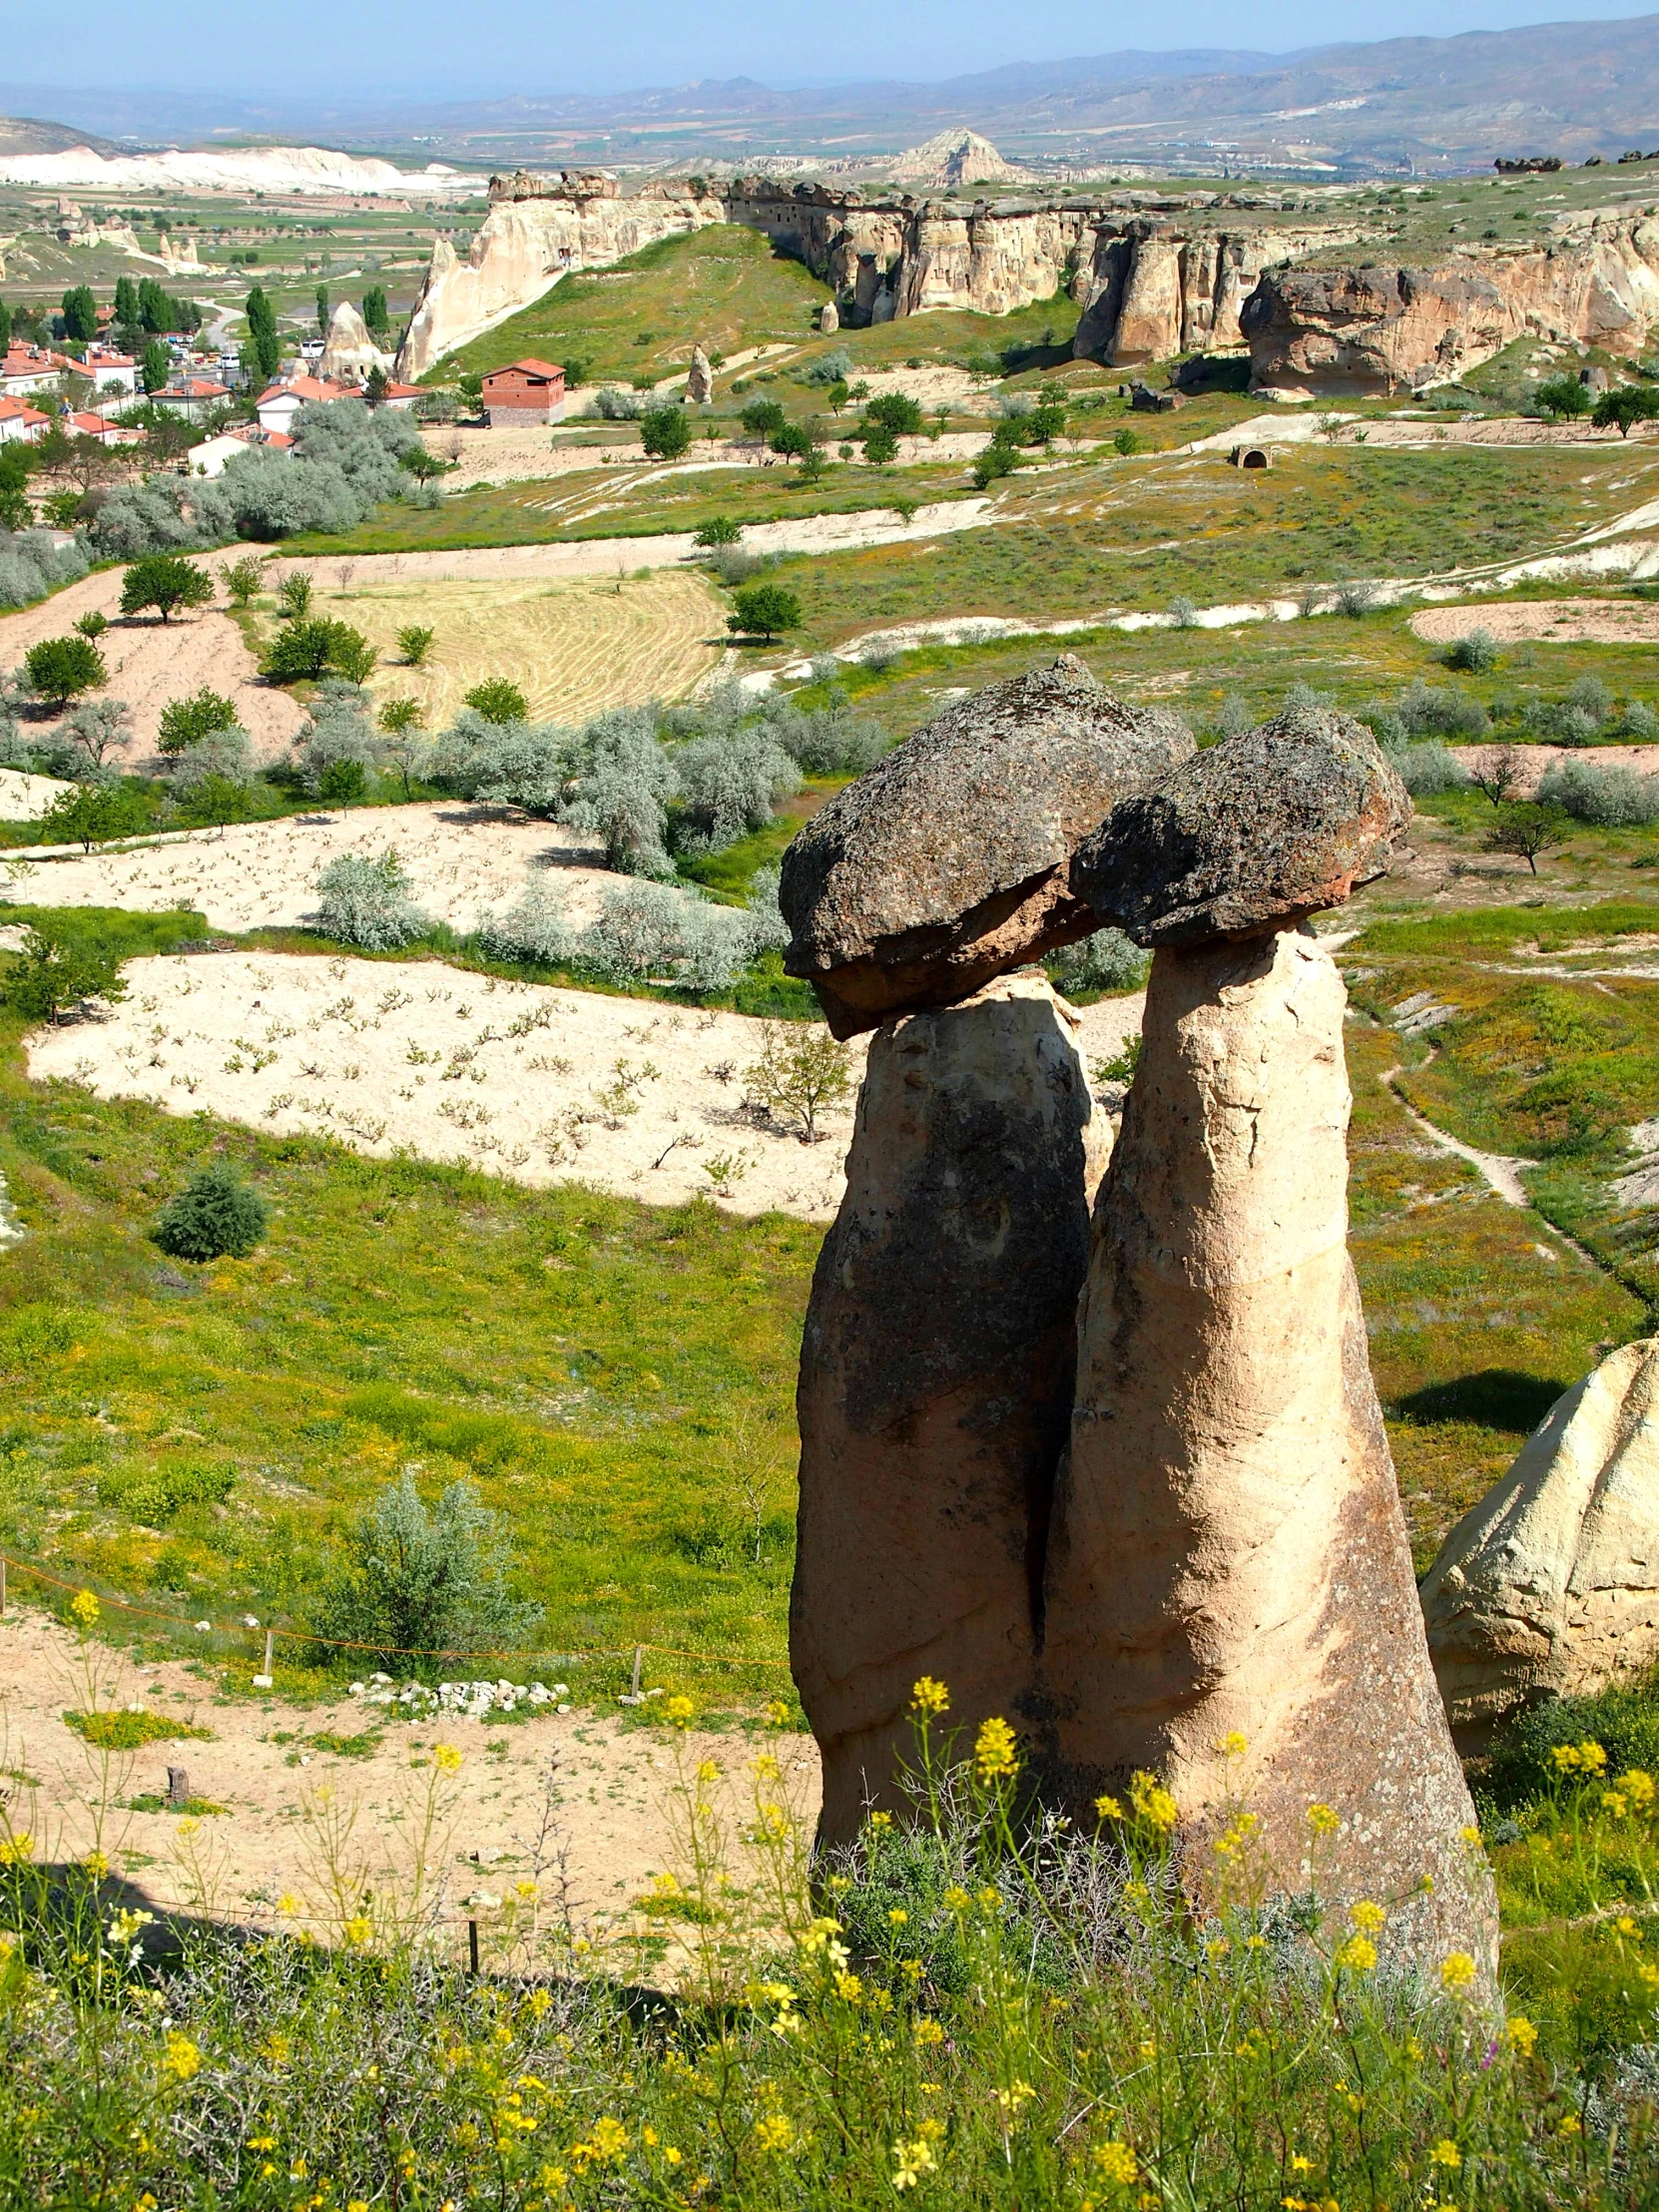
849,1987
1300,2165
990,1898
86,1609
17,1849
180,2059
707,1772
1458,1971
1614,1805
1323,1819
96,1864
1569,2124
881,1822
929,2032
957,1898
914,2159
1108,1809
772,2131
677,1711
775,1714
359,1928
1446,2153
897,1916
1233,1745
607,2142
1625,1924
1366,1918
287,1904
993,1751
1152,1800
674,2154
1521,2035
446,1758
1115,2162
1638,1786
930,1696
1357,1955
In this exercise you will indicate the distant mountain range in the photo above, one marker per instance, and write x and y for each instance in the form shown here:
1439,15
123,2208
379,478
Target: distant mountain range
1572,89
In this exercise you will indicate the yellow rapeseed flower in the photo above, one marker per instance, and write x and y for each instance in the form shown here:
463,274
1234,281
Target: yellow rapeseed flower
1108,1809
1446,2153
1233,1745
180,2058
86,1609
928,2030
773,2132
1638,1786
1152,1800
1458,1971
957,1898
897,1916
1357,1955
677,1711
1323,1819
96,1864
1116,2163
1366,1918
993,1751
881,1822
930,1696
359,1928
775,1714
17,1849
1521,2035
913,2160
446,1758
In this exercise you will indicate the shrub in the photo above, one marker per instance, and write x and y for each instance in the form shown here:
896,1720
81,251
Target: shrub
762,419
339,731
414,644
880,446
166,582
414,1583
1475,652
216,1215
1611,797
342,783
834,368
619,784
1428,768
61,669
293,596
1107,962
762,610
32,563
242,580
1623,1719
721,530
185,722
128,1731
1183,612
367,902
1126,441
498,701
801,1072
643,930
93,624
896,412
92,813
505,763
730,783
1560,396
165,514
48,975
664,433
617,406
309,649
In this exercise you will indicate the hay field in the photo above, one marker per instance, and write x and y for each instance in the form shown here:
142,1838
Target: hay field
571,645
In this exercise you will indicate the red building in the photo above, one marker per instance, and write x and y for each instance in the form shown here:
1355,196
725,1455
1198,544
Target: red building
526,391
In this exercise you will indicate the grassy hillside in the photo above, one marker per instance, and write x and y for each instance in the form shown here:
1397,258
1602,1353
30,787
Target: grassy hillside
723,286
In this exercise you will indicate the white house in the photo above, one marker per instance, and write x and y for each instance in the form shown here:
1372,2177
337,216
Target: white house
209,458
192,396
110,370
31,368
279,403
19,420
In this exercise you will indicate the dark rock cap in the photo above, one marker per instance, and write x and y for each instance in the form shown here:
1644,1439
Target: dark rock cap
948,862
1248,835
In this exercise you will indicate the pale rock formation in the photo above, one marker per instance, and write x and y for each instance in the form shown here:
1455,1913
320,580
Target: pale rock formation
952,159
348,352
1378,330
948,862
1148,291
699,378
935,1379
829,319
1228,1554
1549,1586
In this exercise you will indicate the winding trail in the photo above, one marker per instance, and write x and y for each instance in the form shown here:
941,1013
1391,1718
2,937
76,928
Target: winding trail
1499,1170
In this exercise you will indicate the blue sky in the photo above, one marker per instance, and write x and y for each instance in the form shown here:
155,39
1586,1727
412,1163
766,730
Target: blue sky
345,48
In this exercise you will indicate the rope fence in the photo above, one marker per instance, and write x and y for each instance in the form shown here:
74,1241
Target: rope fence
305,1638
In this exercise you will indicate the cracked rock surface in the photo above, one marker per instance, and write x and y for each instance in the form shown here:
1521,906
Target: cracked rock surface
949,861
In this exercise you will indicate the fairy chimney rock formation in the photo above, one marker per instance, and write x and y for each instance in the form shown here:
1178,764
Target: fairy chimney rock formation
949,861
1228,1557
1549,1586
350,352
699,378
1261,830
937,1376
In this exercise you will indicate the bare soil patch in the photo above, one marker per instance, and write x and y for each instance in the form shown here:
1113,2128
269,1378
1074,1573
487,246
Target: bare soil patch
609,1785
25,798
525,1080
1545,622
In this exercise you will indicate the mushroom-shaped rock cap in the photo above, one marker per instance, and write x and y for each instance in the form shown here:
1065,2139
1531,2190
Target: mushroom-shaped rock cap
949,861
1249,835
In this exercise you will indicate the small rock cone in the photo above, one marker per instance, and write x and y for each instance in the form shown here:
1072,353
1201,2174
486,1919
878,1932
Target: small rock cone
935,1379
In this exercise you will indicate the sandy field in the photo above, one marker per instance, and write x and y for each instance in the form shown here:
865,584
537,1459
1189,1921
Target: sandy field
24,797
518,1079
462,861
572,646
150,662
1537,760
610,1788
1546,622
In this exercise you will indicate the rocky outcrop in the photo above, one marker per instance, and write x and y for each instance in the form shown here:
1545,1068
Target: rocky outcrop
1263,830
1228,1563
1149,289
348,351
523,247
952,160
935,1379
1380,330
948,862
1549,1586
699,378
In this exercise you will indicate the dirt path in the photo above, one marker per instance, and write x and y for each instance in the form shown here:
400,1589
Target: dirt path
605,1784
524,1080
1498,1170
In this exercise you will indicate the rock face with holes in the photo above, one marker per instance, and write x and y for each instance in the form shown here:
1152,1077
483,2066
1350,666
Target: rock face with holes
949,861
1549,1586
1263,830
935,1377
1228,1554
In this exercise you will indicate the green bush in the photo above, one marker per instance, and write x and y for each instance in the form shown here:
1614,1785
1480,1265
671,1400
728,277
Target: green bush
213,1215
153,1495
895,412
164,581
1625,1720
415,643
414,1584
664,433
47,975
185,722
127,1730
61,669
310,648
342,783
500,701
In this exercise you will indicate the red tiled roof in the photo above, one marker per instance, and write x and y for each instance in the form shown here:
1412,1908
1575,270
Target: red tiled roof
526,368
196,387
324,388
11,407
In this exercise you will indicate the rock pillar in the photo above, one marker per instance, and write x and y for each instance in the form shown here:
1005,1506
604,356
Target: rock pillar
1228,1555
935,1379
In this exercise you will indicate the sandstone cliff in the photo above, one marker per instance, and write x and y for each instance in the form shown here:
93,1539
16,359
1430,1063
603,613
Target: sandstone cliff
1149,291
1378,330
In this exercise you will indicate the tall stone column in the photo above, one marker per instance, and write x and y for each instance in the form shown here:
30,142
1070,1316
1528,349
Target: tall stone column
935,1379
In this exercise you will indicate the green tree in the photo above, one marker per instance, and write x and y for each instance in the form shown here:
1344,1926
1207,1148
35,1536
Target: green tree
414,1583
880,446
242,580
762,418
342,783
305,649
185,722
792,442
1126,442
293,596
352,653
265,346
1625,406
899,413
92,625
155,309
664,433
1526,832
49,975
762,610
15,459
155,367
79,314
216,1215
375,313
838,394
500,701
5,324
720,530
375,388
322,310
164,581
92,813
415,643
61,669
1563,396
214,801
125,303
405,745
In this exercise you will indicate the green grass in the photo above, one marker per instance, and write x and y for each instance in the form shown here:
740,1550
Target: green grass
723,286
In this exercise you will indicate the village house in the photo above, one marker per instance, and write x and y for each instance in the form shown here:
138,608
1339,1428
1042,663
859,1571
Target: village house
19,420
110,370
209,458
524,392
192,396
32,368
84,424
277,406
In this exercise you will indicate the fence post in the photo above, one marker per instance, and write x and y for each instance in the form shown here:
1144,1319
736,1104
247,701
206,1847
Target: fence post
472,1944
267,1680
